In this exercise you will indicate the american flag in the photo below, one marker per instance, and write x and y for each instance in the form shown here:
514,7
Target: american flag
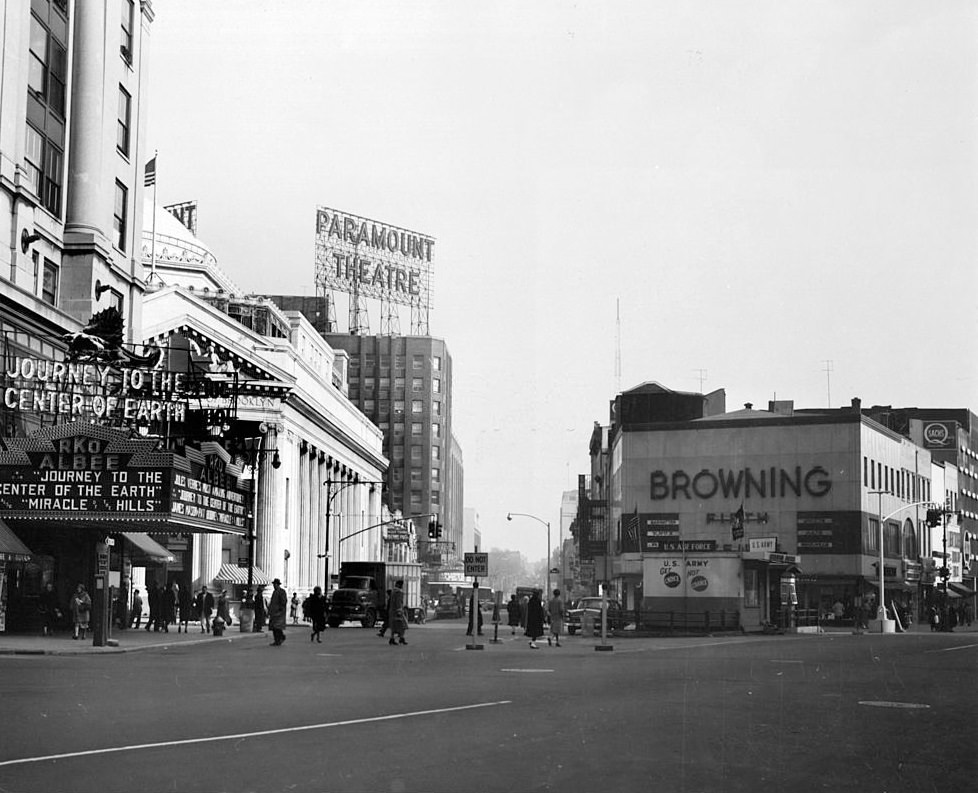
150,177
737,526
631,541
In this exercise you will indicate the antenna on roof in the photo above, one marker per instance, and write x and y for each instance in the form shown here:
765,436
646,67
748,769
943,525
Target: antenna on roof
828,381
617,345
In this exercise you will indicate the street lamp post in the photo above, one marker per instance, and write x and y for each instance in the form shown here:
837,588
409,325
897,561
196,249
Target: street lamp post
509,516
330,495
253,455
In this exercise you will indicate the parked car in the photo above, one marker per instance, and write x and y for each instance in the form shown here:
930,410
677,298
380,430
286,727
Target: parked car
591,607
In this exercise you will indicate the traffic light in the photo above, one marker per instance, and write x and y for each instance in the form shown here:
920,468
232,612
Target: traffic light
437,530
432,530
934,517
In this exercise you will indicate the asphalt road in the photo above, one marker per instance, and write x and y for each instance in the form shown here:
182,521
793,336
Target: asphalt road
781,713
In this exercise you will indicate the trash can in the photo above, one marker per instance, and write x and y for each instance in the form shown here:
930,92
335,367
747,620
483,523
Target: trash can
246,619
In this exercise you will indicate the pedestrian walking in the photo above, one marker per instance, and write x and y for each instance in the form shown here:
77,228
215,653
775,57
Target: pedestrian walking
204,605
524,606
136,612
260,610
186,609
315,611
534,618
555,609
384,614
171,602
396,618
154,594
278,608
513,614
294,608
81,610
47,605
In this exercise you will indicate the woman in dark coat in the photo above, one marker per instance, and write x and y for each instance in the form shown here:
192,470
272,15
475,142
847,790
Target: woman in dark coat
513,613
315,612
534,618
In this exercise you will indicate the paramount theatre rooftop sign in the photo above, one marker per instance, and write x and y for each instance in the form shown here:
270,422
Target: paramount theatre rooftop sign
90,474
365,258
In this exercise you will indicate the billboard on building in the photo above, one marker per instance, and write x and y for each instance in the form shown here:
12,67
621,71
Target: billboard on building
940,434
366,258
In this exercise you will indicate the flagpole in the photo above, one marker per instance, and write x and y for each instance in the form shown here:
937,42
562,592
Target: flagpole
152,265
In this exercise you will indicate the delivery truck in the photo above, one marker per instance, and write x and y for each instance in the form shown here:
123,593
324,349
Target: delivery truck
362,593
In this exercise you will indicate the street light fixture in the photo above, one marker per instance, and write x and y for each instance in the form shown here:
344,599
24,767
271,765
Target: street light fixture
509,516
330,495
253,455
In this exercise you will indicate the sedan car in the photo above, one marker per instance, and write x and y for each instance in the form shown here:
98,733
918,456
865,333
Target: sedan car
590,608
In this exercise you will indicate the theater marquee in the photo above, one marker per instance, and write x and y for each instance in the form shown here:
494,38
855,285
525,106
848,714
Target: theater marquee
89,474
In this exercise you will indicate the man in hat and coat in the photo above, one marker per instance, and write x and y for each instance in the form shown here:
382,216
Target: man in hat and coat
278,610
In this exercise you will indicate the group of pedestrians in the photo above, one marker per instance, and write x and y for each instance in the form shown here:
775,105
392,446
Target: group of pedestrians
395,616
531,615
179,606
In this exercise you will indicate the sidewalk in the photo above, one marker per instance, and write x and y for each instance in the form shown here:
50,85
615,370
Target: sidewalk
120,642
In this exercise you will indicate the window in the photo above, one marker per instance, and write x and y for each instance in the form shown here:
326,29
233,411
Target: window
435,497
399,383
436,474
436,363
865,472
436,408
398,361
417,406
43,164
871,537
415,477
385,427
398,452
415,498
436,452
116,300
125,116
892,539
47,71
385,382
436,385
120,214
417,384
398,405
370,361
418,362
125,43
415,454
368,383
436,430
398,427
416,428
369,406
49,291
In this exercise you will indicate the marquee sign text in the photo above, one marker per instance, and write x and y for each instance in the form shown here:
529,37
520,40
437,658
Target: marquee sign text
770,482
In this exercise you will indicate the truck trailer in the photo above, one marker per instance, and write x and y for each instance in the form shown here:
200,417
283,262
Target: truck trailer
362,593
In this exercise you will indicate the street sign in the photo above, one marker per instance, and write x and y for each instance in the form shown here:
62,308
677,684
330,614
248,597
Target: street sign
477,564
242,561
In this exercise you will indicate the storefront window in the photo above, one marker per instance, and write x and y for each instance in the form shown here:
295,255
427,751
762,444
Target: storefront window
751,591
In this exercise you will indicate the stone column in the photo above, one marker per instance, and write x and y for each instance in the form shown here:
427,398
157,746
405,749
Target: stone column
271,496
207,559
302,549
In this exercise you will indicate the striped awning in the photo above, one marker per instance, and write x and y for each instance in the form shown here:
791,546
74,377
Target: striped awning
11,548
961,589
148,547
233,574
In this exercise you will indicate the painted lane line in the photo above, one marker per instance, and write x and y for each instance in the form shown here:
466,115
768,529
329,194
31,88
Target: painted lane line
884,704
526,670
257,734
784,661
952,649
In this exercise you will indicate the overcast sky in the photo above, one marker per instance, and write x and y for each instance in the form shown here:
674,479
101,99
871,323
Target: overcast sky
781,196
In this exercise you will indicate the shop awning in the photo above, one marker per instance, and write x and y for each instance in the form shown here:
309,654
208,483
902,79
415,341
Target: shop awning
961,589
239,575
11,548
148,546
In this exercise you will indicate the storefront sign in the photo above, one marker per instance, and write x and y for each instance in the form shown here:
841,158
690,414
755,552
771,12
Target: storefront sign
768,482
673,576
761,544
680,545
829,532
